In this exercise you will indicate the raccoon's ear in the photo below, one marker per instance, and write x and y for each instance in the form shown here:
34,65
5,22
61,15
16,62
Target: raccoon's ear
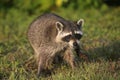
80,23
59,26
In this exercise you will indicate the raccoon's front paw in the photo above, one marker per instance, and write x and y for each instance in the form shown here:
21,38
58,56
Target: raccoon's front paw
83,56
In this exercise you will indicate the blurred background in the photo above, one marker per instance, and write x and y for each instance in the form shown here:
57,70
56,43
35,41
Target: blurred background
16,15
101,39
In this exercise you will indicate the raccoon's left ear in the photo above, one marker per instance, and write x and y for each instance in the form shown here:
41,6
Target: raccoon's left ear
59,26
80,23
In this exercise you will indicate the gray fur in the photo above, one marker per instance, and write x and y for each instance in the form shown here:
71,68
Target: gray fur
42,35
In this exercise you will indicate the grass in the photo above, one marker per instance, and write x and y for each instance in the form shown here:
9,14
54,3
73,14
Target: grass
101,42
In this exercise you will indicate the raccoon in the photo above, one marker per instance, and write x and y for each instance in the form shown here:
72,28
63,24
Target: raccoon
51,35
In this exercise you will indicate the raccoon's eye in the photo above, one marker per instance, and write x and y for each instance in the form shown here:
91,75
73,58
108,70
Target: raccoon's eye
66,38
78,36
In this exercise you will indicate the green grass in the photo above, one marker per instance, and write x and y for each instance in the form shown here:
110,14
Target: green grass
101,42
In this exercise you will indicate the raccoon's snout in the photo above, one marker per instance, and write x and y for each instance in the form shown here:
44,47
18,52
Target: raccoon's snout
75,44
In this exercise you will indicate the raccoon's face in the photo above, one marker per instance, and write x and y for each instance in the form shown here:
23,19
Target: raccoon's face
70,33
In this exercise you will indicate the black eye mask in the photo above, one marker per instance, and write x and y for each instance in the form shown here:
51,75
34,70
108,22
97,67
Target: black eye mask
78,36
67,38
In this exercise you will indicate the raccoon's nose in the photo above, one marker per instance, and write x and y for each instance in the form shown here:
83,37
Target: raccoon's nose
75,44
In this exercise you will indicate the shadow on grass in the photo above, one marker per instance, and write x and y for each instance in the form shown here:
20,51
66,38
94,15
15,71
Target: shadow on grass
109,52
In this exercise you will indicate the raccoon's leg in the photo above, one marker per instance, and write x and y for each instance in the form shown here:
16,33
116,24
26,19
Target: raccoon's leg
70,58
43,64
81,55
77,50
40,66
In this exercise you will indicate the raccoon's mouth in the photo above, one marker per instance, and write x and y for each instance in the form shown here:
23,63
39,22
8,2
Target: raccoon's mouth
77,50
76,47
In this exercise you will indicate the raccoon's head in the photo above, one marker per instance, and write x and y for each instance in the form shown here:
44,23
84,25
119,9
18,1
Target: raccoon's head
70,33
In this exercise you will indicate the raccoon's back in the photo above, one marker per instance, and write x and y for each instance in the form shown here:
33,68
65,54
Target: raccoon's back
42,29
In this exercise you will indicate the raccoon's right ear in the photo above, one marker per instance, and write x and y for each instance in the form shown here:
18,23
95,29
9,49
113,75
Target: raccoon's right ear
59,26
80,23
